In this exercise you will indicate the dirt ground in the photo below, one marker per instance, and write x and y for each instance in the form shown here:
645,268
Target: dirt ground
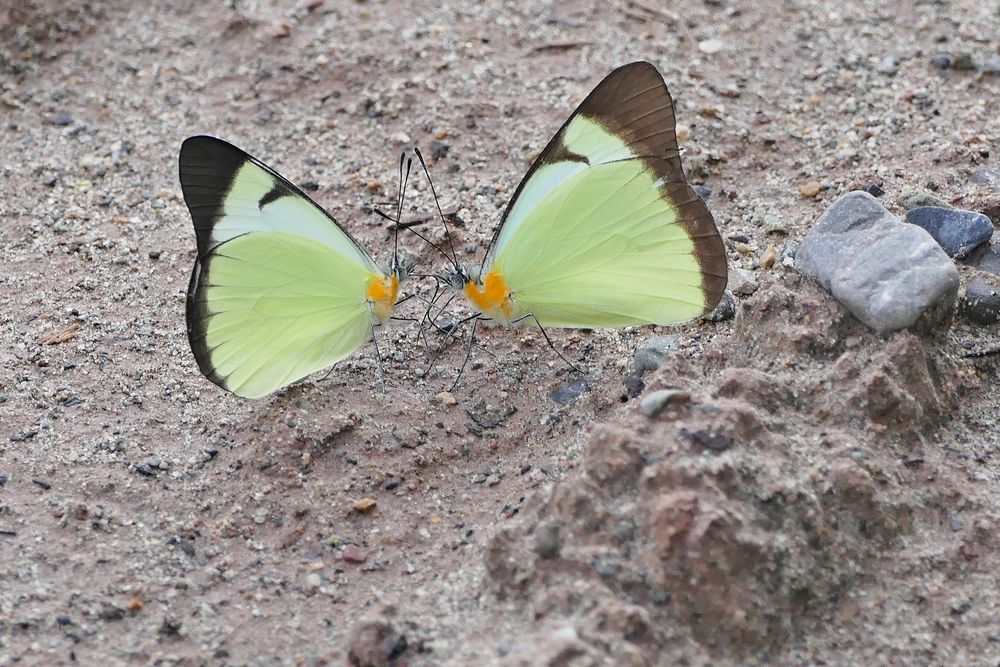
844,509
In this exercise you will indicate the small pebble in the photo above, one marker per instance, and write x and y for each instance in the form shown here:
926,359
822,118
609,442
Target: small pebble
439,149
775,225
391,483
958,232
42,483
354,554
651,353
702,191
364,505
912,198
568,392
633,385
61,119
741,281
874,189
654,403
447,398
725,310
710,46
941,61
3,478
810,189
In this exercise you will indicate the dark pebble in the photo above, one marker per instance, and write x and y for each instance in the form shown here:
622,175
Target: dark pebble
170,627
310,186
526,468
570,391
941,61
874,189
392,483
963,62
702,191
706,438
61,119
3,478
145,470
981,304
49,181
633,385
42,483
958,232
439,149
211,452
154,254
187,547
547,540
63,619
112,613
725,310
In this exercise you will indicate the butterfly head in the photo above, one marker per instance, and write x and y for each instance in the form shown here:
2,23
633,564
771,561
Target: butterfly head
401,266
459,276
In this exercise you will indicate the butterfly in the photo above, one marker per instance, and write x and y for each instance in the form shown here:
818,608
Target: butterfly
604,230
279,289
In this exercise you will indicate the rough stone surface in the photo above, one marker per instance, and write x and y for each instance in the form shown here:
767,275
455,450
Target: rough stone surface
958,232
888,274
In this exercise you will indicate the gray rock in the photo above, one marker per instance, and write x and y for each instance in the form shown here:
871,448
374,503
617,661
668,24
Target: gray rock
742,282
887,273
911,198
655,402
958,232
982,300
651,354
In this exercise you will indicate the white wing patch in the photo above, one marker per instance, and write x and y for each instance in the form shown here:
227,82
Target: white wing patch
582,136
588,138
243,214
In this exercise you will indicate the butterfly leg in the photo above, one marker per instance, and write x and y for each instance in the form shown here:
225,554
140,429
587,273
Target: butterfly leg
548,340
468,352
378,356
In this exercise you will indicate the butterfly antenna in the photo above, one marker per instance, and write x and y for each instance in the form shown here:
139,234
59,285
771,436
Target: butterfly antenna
451,245
409,227
404,178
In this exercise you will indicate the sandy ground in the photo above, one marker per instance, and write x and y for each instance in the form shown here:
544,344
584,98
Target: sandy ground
147,517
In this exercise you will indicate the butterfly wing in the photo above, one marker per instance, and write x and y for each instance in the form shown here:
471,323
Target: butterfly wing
604,230
279,288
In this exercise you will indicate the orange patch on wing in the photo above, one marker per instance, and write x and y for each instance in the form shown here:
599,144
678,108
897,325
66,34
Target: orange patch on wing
382,291
493,295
